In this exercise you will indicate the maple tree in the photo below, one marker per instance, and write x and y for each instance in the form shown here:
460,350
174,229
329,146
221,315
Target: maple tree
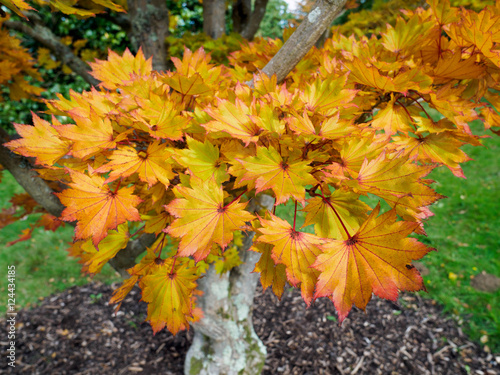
188,165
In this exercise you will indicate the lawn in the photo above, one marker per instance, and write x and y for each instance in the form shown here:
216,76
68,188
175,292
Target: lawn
464,231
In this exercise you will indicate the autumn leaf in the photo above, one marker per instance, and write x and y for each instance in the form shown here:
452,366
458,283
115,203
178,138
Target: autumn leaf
17,6
233,119
119,69
376,259
393,118
326,96
350,210
41,141
440,148
202,160
168,291
192,85
106,249
152,165
160,119
90,135
296,250
204,219
330,128
97,208
271,274
397,181
285,176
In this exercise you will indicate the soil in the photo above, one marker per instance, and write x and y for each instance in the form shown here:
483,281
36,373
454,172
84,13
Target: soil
75,332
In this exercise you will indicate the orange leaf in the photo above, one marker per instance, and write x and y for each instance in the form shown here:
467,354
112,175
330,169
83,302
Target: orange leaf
168,291
90,135
351,210
202,218
41,141
233,119
377,259
107,249
296,250
270,272
118,69
440,148
96,207
285,176
151,165
397,181
193,85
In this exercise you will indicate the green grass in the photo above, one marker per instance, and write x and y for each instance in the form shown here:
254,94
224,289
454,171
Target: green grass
465,231
42,264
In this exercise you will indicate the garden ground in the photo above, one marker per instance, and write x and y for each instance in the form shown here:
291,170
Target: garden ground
76,332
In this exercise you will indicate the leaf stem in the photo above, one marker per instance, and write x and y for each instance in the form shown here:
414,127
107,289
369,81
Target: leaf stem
337,214
407,112
137,231
295,216
118,186
235,199
422,107
173,265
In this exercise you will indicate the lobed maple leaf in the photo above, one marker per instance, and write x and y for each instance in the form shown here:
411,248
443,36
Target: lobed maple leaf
90,135
97,208
397,181
117,69
296,250
151,165
168,291
271,274
202,160
98,256
376,259
438,148
204,219
349,212
233,119
285,176
41,141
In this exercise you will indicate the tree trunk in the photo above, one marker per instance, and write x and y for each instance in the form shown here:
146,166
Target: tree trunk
245,21
149,28
225,342
214,18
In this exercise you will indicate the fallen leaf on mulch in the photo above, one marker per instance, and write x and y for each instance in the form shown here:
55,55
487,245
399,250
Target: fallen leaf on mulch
75,332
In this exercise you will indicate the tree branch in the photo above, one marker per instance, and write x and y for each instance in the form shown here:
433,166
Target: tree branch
302,40
46,37
126,257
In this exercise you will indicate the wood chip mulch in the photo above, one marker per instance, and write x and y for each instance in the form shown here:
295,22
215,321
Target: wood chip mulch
75,332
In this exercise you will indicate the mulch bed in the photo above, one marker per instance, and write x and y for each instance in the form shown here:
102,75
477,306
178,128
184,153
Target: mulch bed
75,332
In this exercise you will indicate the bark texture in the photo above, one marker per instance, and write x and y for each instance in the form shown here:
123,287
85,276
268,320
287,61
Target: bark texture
214,18
245,21
225,342
149,28
304,38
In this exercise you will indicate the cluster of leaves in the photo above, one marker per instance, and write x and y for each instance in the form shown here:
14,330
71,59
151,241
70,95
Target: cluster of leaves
219,49
373,19
15,65
181,154
88,38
